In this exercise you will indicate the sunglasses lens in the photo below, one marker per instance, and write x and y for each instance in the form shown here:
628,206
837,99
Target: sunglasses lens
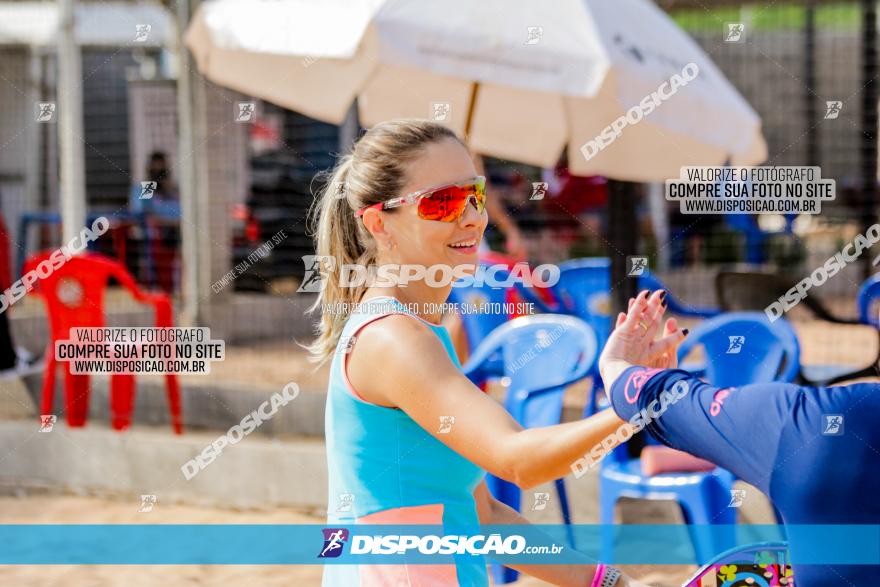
448,204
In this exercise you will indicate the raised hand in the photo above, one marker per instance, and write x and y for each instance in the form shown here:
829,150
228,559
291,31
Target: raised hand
633,340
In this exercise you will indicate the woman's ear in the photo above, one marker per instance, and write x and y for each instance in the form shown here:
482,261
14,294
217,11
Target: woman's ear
375,225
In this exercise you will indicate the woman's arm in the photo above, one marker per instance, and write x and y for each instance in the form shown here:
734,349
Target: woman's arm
399,362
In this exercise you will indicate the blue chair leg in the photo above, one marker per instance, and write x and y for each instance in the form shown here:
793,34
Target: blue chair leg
504,491
703,510
509,494
566,513
778,515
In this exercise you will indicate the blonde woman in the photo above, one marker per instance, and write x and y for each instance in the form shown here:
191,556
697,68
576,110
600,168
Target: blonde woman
409,437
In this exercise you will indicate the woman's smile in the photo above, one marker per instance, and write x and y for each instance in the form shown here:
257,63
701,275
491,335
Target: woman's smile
466,246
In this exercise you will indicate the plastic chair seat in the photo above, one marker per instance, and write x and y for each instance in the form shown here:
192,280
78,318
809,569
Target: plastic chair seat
630,473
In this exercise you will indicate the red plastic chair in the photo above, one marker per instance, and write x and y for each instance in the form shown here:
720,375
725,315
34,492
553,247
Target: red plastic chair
74,296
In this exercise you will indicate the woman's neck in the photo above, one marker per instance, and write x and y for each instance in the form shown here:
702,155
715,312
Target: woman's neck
421,299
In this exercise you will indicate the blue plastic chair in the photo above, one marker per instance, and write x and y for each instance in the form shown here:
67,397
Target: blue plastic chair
755,237
583,290
869,293
538,376
769,352
478,325
755,290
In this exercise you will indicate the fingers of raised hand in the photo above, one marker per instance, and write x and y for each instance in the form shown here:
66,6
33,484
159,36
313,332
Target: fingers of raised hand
654,313
636,309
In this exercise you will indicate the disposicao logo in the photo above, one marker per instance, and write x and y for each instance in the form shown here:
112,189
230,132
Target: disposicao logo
334,540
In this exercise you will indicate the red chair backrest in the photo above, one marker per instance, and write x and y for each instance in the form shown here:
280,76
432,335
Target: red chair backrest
74,291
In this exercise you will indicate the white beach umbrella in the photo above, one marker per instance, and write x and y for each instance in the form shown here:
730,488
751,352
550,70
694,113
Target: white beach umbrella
520,79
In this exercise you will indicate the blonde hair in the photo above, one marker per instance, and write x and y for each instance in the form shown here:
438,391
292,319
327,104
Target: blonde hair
373,172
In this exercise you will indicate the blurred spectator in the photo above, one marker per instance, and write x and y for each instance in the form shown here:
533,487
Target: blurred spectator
688,235
581,197
157,194
158,198
514,243
577,204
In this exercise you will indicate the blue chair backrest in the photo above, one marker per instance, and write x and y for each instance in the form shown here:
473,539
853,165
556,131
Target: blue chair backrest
542,355
869,292
584,290
477,326
745,347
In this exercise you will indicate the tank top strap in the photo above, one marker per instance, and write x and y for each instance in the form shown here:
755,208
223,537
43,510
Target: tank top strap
375,308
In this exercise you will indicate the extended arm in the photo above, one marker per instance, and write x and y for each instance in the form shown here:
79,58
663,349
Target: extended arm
419,378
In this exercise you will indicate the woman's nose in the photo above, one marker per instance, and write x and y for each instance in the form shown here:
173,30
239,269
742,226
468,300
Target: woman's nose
471,215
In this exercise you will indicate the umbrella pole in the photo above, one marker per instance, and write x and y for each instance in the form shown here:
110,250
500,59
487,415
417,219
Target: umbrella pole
470,113
348,130
620,238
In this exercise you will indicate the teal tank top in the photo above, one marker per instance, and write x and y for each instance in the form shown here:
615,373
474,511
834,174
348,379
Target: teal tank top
384,468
